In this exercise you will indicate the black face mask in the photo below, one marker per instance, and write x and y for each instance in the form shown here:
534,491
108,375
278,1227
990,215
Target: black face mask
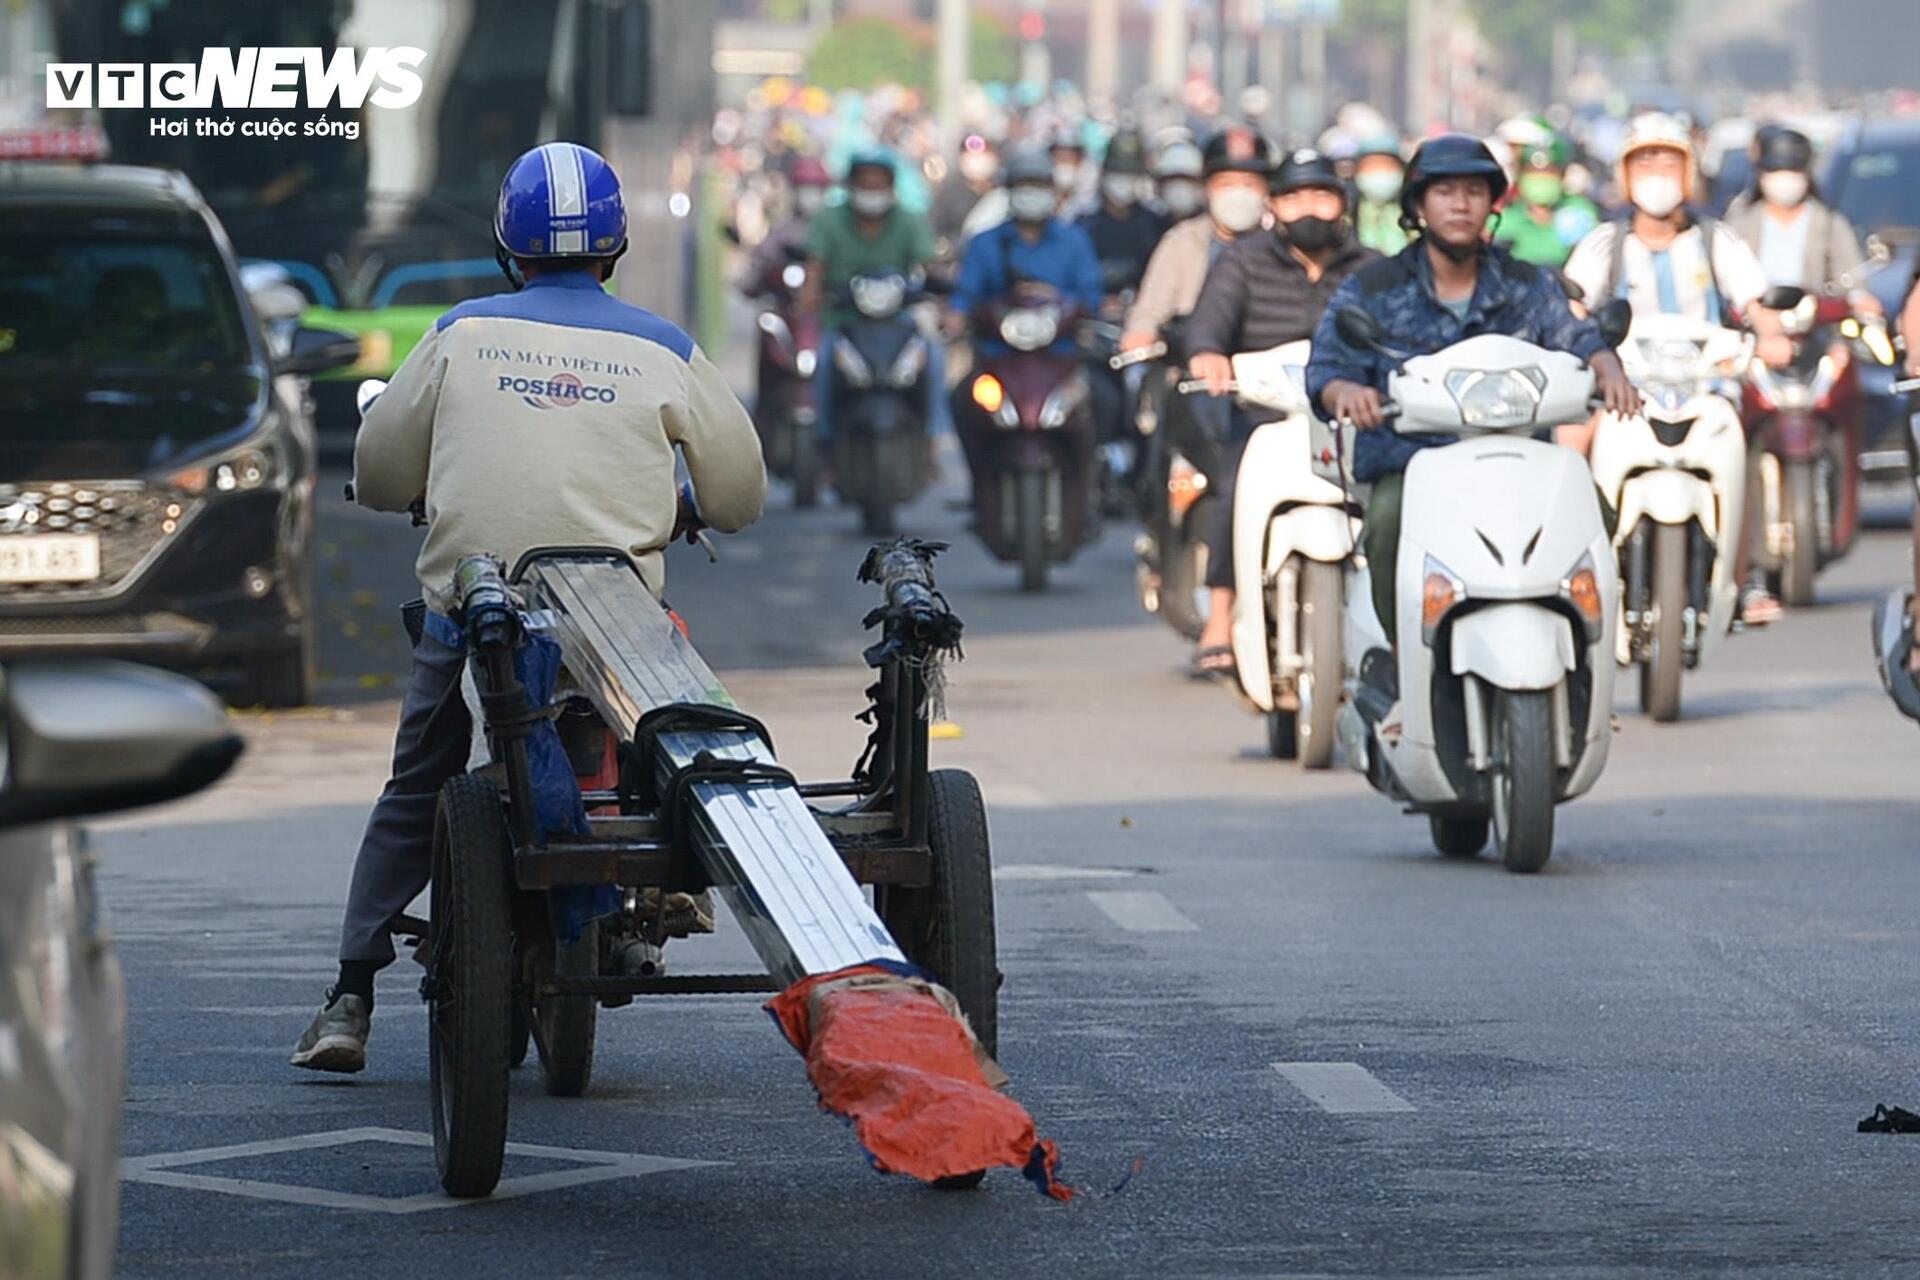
1312,235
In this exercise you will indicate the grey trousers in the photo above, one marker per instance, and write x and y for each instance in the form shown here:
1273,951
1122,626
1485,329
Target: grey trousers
396,853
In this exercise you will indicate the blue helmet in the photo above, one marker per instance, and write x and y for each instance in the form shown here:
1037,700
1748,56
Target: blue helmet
558,201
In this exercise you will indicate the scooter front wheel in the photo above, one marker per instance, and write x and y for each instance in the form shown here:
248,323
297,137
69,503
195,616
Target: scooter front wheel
1523,770
1319,682
1802,559
1030,528
1660,672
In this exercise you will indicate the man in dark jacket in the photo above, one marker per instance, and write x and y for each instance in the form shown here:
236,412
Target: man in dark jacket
1449,284
1267,288
1124,230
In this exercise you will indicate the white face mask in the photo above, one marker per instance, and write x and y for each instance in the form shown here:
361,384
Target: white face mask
1657,195
1120,189
1066,176
807,200
1030,204
1182,197
1379,186
871,204
1238,209
1784,186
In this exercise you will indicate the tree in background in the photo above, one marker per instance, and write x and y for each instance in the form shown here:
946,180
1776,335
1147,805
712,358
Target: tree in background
859,53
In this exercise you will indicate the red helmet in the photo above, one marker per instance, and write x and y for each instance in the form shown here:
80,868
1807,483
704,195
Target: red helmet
807,171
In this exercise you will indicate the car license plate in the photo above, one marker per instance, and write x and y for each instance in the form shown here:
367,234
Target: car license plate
50,557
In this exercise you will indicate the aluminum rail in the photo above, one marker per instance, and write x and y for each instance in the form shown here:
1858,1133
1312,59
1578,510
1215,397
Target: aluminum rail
758,842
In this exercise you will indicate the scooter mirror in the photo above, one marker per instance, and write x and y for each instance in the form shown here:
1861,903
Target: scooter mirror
1782,297
1358,328
1614,319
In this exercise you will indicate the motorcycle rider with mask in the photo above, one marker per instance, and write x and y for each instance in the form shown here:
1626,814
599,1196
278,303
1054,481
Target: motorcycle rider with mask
1034,248
1235,166
1665,260
1450,283
868,235
1802,240
1177,189
505,455
1379,171
1544,221
1123,229
1266,289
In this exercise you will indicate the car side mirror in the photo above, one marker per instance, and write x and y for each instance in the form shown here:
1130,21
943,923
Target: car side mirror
1614,319
1782,297
86,736
1358,328
312,351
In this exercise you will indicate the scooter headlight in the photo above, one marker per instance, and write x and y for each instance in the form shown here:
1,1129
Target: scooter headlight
1030,328
1440,591
852,365
1581,589
1497,397
908,365
804,363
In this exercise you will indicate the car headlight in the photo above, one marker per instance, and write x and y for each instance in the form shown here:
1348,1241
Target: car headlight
1440,590
237,472
907,366
877,297
1062,402
1030,328
852,365
805,361
1497,397
1581,589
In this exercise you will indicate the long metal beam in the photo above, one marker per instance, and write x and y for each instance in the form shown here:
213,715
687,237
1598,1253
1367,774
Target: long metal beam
765,852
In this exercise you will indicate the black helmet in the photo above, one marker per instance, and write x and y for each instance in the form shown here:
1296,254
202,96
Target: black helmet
1451,155
1126,154
1237,149
1784,149
1305,168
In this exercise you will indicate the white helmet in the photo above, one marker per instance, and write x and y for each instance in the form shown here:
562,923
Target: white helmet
1178,160
1656,130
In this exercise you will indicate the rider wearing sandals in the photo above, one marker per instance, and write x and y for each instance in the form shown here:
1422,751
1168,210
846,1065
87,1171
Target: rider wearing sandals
546,416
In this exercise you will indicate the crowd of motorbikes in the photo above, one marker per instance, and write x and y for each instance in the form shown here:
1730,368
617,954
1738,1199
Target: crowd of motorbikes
1526,577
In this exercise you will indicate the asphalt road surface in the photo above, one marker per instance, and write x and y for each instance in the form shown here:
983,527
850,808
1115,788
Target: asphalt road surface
1324,1050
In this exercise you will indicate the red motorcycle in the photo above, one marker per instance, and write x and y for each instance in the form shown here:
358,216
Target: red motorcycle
1807,419
784,408
1027,428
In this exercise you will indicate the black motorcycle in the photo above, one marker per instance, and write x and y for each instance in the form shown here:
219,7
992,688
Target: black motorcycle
881,446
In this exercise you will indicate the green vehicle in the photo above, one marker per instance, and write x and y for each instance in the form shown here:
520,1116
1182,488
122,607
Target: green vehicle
383,218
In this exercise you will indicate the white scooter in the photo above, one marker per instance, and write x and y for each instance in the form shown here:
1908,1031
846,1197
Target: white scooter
1677,474
1293,534
1499,703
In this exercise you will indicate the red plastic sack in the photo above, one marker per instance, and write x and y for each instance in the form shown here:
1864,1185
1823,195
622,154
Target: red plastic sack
892,1053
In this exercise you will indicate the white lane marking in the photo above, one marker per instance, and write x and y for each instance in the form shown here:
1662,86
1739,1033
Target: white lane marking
594,1166
1058,871
1342,1088
1142,911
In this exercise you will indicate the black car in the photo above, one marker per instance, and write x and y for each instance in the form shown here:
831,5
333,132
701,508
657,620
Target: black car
1872,175
156,449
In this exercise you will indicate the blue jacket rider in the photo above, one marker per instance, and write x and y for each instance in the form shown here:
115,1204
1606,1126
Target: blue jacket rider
1033,246
1449,284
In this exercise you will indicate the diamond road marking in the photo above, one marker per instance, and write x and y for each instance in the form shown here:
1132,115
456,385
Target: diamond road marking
596,1166
1342,1088
1142,911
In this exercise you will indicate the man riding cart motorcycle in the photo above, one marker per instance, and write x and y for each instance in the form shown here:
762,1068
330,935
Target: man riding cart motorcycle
1666,261
1266,290
1023,416
1495,704
550,415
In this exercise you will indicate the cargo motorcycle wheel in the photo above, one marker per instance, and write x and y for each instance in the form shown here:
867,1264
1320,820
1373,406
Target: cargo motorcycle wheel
470,985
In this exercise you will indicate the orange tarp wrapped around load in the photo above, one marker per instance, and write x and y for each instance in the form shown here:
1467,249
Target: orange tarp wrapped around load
892,1053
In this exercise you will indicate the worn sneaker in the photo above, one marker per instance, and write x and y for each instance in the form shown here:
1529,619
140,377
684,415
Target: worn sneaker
337,1038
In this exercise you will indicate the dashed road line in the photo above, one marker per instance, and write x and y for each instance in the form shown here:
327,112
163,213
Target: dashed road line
1061,871
1342,1088
1141,911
